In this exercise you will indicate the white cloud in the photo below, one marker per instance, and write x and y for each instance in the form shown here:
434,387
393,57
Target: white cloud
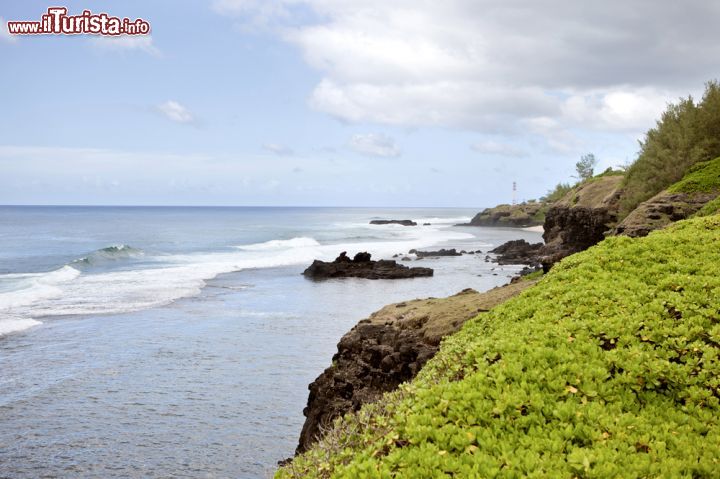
440,104
175,111
4,33
373,144
494,66
126,43
280,150
558,138
617,109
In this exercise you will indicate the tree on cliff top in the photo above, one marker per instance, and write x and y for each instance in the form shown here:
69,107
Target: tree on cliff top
687,133
585,167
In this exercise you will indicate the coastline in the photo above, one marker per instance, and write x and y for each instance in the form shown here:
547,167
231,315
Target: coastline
261,334
536,346
389,348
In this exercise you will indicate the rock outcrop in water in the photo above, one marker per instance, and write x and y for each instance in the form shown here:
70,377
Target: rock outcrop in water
394,222
518,252
362,266
387,349
431,254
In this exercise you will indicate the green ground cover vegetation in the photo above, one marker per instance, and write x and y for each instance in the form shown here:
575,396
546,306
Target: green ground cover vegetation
608,367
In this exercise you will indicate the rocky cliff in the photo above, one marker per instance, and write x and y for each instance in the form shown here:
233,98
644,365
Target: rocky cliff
680,201
522,215
387,349
661,210
580,219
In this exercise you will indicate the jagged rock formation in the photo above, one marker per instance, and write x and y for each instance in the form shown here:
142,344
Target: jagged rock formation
661,210
518,252
580,219
387,349
362,266
394,222
522,215
430,254
681,200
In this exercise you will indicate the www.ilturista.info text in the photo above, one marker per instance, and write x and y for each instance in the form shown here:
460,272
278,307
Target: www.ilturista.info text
57,22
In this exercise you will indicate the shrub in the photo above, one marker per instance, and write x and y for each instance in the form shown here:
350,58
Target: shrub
557,193
703,178
686,134
608,367
710,208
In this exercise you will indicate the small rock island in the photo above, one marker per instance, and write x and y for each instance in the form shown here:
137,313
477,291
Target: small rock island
362,266
394,222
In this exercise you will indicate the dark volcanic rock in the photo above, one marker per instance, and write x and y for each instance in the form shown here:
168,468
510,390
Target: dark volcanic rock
570,230
393,222
580,219
387,349
361,266
518,252
441,252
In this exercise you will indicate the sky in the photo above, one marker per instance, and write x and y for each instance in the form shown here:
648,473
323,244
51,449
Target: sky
340,102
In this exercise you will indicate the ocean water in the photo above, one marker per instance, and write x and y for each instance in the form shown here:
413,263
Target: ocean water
179,342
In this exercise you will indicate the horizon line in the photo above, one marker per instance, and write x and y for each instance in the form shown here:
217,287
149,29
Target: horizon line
218,206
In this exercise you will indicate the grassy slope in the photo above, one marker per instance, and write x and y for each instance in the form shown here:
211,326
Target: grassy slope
608,367
702,178
593,193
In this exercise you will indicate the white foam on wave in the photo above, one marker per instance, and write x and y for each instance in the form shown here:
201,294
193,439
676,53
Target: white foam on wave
273,245
67,291
31,287
14,325
21,291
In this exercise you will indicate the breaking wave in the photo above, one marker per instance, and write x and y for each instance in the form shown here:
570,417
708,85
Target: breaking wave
75,289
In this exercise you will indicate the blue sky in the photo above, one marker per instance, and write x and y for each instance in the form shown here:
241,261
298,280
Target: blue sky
338,103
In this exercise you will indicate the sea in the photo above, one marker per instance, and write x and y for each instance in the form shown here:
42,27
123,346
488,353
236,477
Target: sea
158,342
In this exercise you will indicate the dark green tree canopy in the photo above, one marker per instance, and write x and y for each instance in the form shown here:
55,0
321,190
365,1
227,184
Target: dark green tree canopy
687,133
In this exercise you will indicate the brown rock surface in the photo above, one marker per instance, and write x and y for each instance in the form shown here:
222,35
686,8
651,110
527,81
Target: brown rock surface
661,210
521,215
387,349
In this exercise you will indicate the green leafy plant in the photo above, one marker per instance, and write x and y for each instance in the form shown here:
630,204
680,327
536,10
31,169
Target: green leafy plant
608,367
703,178
560,190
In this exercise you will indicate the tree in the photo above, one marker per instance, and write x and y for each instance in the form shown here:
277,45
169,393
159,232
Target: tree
687,133
585,167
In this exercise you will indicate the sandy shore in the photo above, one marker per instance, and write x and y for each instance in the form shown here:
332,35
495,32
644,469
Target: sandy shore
536,229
